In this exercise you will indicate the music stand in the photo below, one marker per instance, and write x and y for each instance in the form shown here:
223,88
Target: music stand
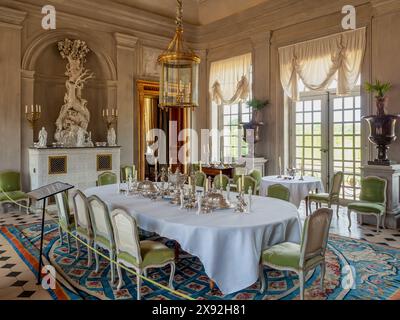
44,193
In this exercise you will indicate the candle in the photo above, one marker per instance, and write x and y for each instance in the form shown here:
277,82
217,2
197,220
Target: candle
239,185
220,178
32,108
116,112
201,167
26,108
107,112
242,180
190,181
40,108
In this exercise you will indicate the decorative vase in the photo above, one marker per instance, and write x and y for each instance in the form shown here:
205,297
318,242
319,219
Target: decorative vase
252,125
382,134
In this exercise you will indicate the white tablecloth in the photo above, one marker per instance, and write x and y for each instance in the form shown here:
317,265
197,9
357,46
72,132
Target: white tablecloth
299,189
228,244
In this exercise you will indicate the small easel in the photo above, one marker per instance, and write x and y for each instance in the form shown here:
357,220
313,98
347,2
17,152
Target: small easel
42,194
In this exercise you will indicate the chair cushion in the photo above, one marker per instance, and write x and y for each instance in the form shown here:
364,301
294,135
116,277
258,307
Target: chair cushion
153,253
104,241
368,207
14,195
321,197
285,254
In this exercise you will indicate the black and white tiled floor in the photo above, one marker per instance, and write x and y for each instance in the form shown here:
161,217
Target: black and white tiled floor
18,282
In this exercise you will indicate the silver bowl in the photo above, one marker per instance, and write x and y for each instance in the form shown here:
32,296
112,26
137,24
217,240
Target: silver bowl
217,201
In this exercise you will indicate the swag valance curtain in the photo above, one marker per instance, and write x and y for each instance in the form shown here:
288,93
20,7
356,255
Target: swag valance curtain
318,62
229,80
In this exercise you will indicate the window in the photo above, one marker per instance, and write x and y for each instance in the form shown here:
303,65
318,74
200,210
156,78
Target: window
233,78
232,117
327,137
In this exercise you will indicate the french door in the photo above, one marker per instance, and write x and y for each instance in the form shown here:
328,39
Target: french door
326,138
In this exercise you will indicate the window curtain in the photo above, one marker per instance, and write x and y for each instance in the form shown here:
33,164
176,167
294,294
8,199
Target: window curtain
229,80
318,62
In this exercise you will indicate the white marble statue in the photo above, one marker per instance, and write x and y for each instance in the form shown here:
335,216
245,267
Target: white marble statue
74,114
111,137
80,137
42,138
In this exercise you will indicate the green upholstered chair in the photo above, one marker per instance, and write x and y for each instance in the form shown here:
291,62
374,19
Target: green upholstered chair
278,191
195,167
221,181
107,178
372,200
65,220
303,257
102,230
239,170
10,189
329,198
248,183
200,179
135,254
127,171
83,223
256,175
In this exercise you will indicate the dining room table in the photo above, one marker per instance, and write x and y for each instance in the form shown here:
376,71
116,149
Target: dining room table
229,244
299,187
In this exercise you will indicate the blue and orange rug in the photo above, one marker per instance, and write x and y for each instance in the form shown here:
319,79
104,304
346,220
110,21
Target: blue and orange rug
356,270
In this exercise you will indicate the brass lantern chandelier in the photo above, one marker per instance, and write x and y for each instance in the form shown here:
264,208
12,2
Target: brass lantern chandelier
179,71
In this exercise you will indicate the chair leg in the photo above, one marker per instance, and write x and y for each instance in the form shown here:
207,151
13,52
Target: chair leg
323,269
78,248
309,207
337,210
119,271
349,216
262,278
69,242
378,222
171,277
384,221
139,284
61,235
28,204
112,267
89,253
301,279
96,257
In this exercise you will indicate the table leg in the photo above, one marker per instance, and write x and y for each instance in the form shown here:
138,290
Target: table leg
177,248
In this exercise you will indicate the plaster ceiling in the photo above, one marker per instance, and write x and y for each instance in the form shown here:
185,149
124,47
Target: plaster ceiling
199,12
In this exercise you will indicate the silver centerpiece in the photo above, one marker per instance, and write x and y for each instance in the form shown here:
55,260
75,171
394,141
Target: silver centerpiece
241,205
148,189
216,200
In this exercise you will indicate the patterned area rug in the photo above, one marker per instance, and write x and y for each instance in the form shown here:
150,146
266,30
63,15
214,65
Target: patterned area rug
355,270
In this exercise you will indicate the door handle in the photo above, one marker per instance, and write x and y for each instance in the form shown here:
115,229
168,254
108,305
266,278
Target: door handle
324,150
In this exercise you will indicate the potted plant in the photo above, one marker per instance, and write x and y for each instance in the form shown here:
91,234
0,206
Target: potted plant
381,125
257,106
380,90
256,122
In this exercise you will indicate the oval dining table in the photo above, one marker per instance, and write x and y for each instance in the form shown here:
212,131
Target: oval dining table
229,244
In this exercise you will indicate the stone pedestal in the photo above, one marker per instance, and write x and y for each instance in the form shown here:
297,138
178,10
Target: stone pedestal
77,166
392,176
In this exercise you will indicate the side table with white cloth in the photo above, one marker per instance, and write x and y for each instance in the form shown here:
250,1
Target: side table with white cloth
299,189
229,244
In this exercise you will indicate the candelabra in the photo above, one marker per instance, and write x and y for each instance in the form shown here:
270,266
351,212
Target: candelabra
110,117
33,114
